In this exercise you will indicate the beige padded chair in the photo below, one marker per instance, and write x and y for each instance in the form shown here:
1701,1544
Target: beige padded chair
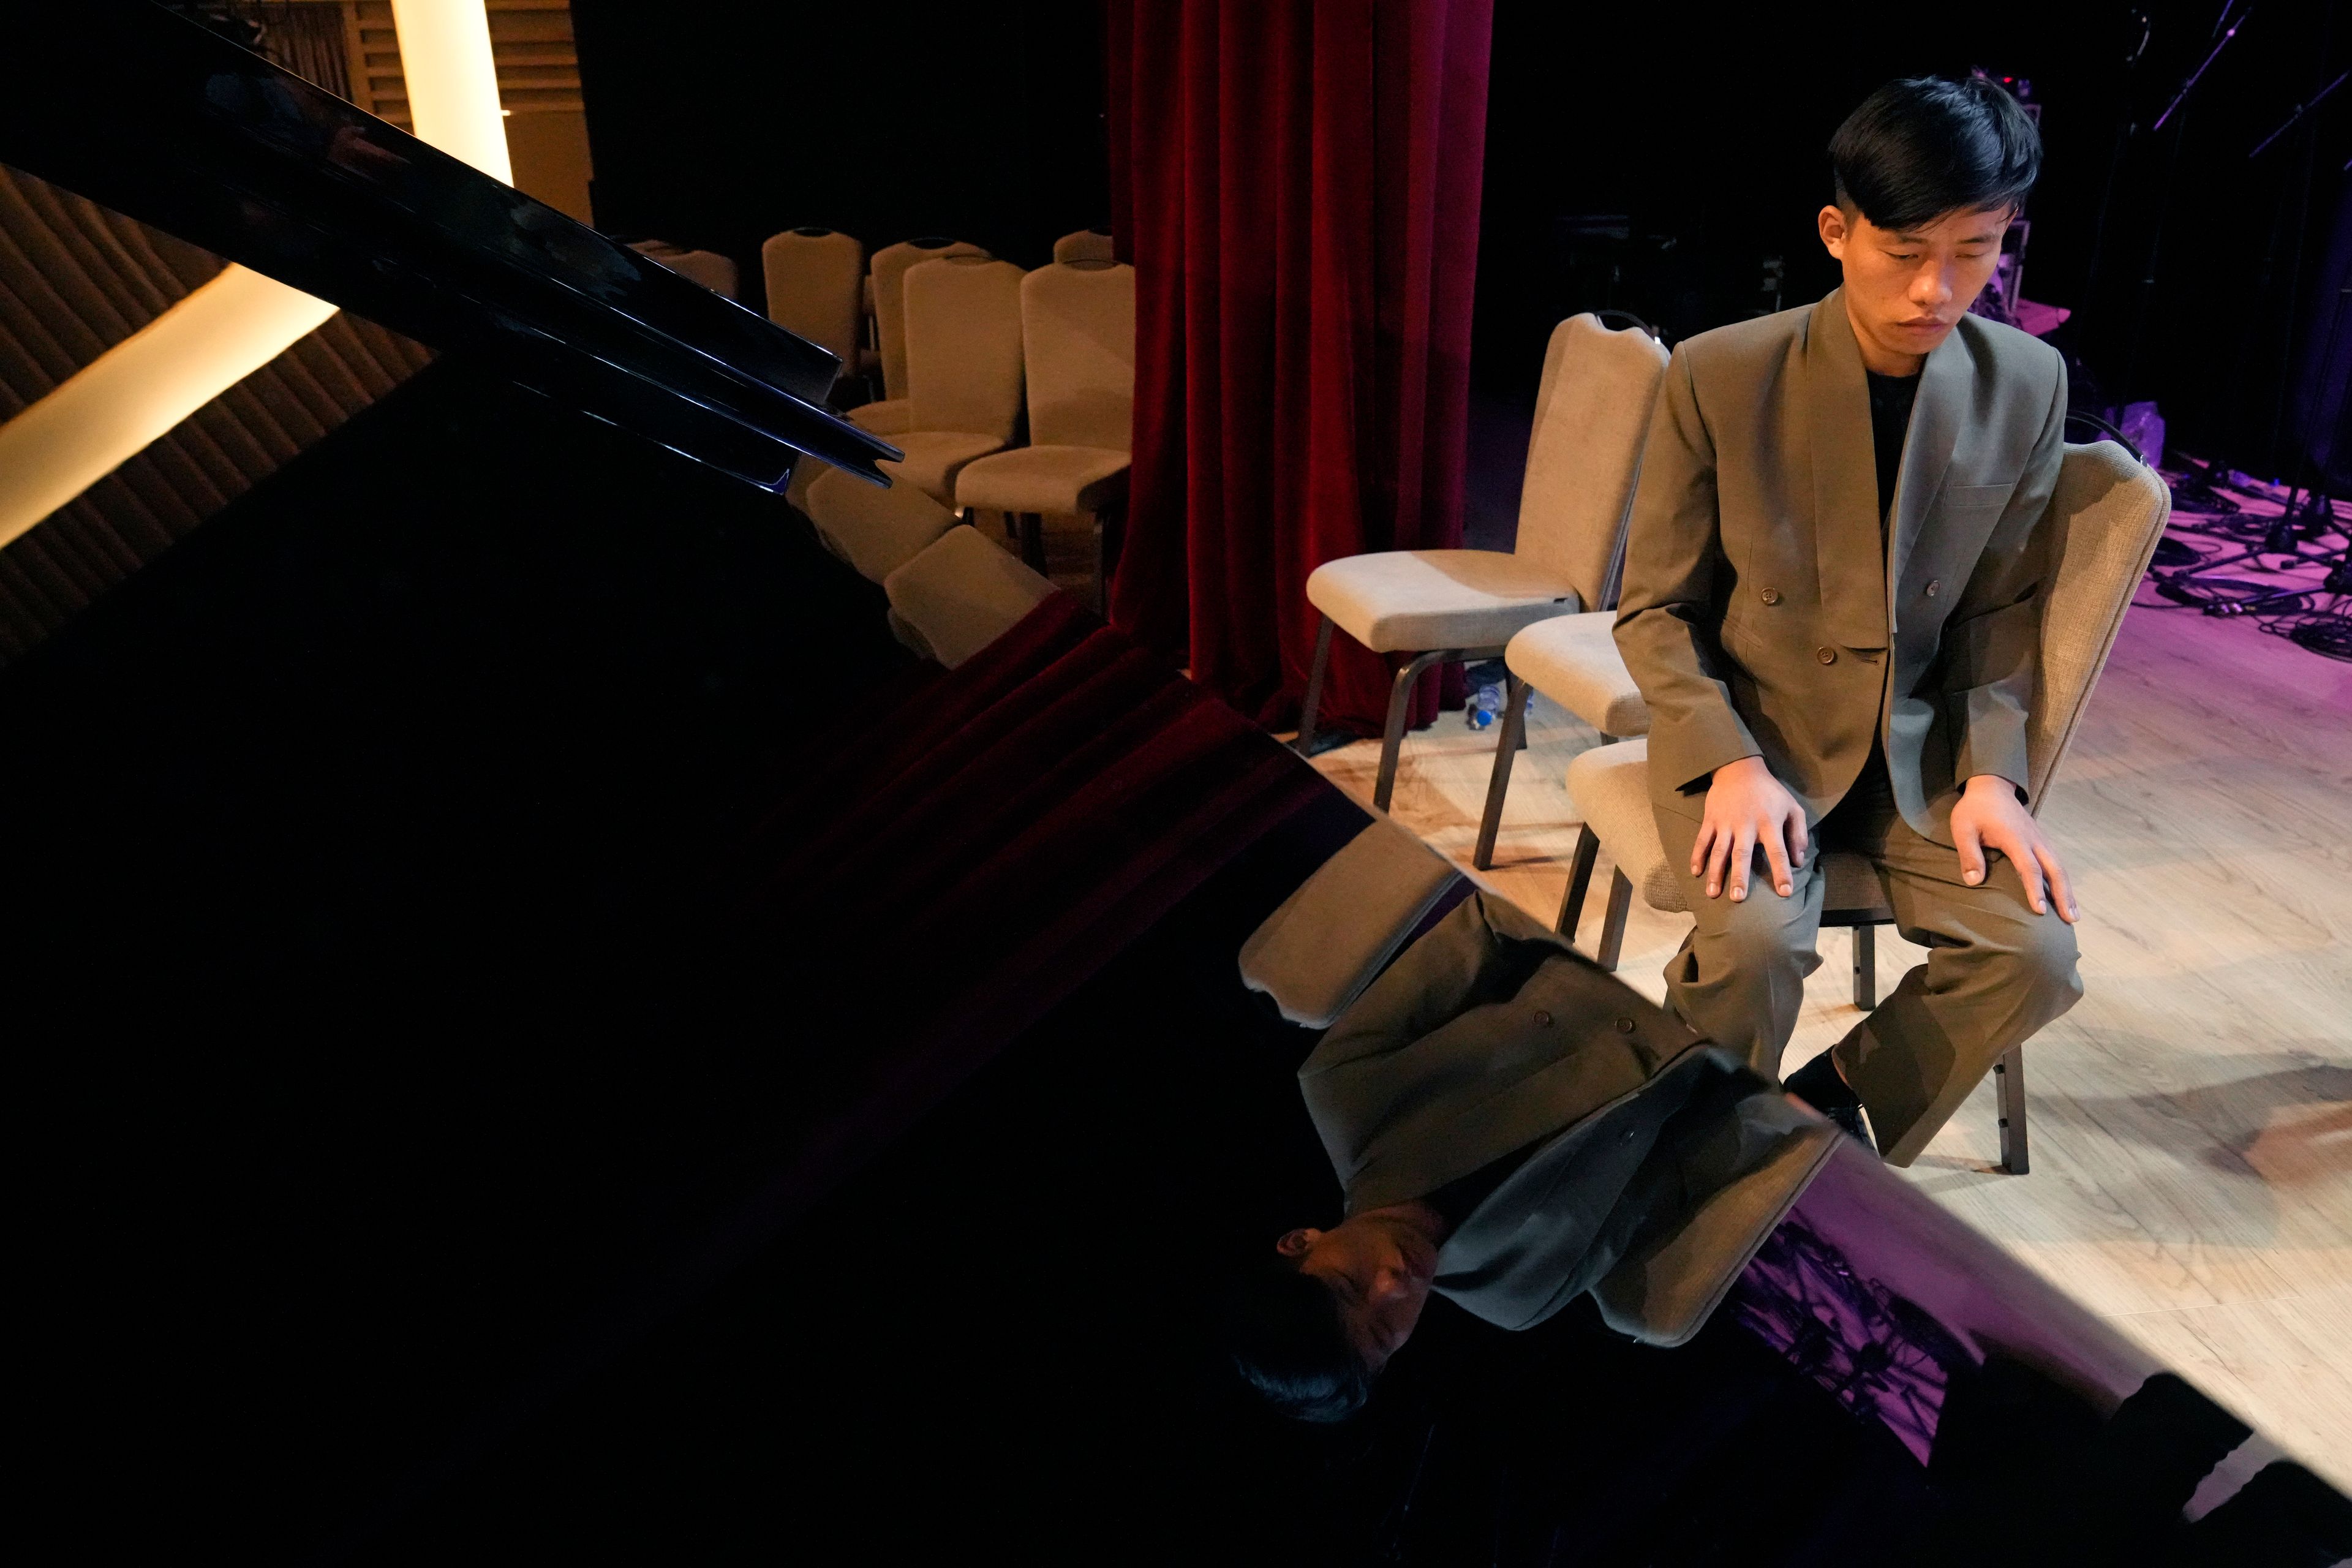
963,370
713,271
1086,245
1592,410
886,273
959,595
876,530
1078,338
813,276
1330,939
2110,510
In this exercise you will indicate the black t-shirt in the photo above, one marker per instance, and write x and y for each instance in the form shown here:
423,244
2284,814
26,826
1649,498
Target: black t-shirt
1890,417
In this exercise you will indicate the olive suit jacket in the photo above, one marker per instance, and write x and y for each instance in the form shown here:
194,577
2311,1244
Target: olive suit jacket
1656,1164
1763,613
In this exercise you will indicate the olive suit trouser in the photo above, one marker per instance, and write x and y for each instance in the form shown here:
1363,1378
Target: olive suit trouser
1996,972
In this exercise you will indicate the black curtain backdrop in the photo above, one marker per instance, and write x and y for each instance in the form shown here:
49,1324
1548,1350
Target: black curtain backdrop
1703,147
716,127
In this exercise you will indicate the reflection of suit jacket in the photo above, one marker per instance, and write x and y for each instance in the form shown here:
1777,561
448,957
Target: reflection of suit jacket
1760,605
1659,1165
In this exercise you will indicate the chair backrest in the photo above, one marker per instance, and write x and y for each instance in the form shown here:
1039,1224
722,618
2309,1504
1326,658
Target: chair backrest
813,287
1077,337
1592,413
963,346
715,272
2108,512
888,269
1086,245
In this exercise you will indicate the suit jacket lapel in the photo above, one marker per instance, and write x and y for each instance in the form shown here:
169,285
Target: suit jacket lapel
1847,550
1936,411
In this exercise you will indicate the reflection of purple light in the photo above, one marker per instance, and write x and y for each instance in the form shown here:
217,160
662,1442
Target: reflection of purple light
1879,1355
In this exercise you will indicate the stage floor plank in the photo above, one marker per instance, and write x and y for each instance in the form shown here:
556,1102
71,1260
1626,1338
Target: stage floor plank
2191,1118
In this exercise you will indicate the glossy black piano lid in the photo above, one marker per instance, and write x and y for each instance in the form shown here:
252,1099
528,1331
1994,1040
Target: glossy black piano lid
152,115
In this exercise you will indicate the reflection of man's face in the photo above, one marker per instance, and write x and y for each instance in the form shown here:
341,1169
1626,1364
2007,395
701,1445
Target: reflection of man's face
1907,288
1378,1266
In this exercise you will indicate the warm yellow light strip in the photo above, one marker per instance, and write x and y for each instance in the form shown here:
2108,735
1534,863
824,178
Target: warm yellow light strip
107,412
113,407
453,81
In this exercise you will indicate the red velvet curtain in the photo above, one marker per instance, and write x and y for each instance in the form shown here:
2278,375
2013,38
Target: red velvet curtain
1296,183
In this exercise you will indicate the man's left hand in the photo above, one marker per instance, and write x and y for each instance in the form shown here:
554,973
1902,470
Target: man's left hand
1990,817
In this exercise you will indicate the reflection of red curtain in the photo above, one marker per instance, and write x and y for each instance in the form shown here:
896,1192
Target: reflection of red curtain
1296,182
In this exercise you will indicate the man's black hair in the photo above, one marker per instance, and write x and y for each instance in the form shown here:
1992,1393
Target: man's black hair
1922,146
1284,1332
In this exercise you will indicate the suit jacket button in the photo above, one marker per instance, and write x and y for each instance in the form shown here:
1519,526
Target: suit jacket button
1826,654
1543,1019
1770,595
1934,586
1624,1026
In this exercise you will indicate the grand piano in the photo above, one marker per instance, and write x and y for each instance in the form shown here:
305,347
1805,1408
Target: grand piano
543,1032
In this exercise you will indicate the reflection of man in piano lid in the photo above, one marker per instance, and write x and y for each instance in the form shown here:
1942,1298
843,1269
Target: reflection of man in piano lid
1512,1127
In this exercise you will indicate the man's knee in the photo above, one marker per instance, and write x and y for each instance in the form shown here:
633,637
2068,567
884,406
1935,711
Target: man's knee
2039,958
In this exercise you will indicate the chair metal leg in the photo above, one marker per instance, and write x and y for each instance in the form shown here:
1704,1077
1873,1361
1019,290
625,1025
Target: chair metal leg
1033,541
1304,744
1580,877
1613,924
1511,735
2009,1092
1393,737
1866,967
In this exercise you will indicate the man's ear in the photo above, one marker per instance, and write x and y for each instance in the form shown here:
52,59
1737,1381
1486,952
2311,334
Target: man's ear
1295,1243
1831,222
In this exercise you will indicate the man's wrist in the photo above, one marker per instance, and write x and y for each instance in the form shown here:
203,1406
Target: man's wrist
1993,784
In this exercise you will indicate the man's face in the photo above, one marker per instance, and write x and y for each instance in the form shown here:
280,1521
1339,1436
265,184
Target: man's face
1907,288
1378,1269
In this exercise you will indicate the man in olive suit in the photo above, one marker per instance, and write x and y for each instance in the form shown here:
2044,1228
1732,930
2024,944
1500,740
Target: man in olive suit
1832,592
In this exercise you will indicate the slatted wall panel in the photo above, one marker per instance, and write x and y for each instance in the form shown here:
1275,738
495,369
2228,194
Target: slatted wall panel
76,279
530,40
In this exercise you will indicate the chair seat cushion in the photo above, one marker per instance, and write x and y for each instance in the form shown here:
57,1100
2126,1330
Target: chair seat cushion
876,530
1574,660
886,418
934,458
1416,600
1045,479
1609,787
1318,951
961,592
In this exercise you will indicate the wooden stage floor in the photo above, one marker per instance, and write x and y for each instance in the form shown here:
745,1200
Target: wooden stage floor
2192,1118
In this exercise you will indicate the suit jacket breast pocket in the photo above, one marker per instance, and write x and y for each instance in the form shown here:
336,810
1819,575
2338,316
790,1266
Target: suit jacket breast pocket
1969,498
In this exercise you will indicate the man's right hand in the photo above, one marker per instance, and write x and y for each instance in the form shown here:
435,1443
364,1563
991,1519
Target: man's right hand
1745,807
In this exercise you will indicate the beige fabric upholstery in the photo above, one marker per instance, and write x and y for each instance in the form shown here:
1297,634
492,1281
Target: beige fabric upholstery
1086,245
887,272
1077,337
2109,509
1316,953
889,416
1609,787
1414,600
934,458
1574,660
1048,480
1592,413
963,346
961,592
713,271
814,275
876,530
